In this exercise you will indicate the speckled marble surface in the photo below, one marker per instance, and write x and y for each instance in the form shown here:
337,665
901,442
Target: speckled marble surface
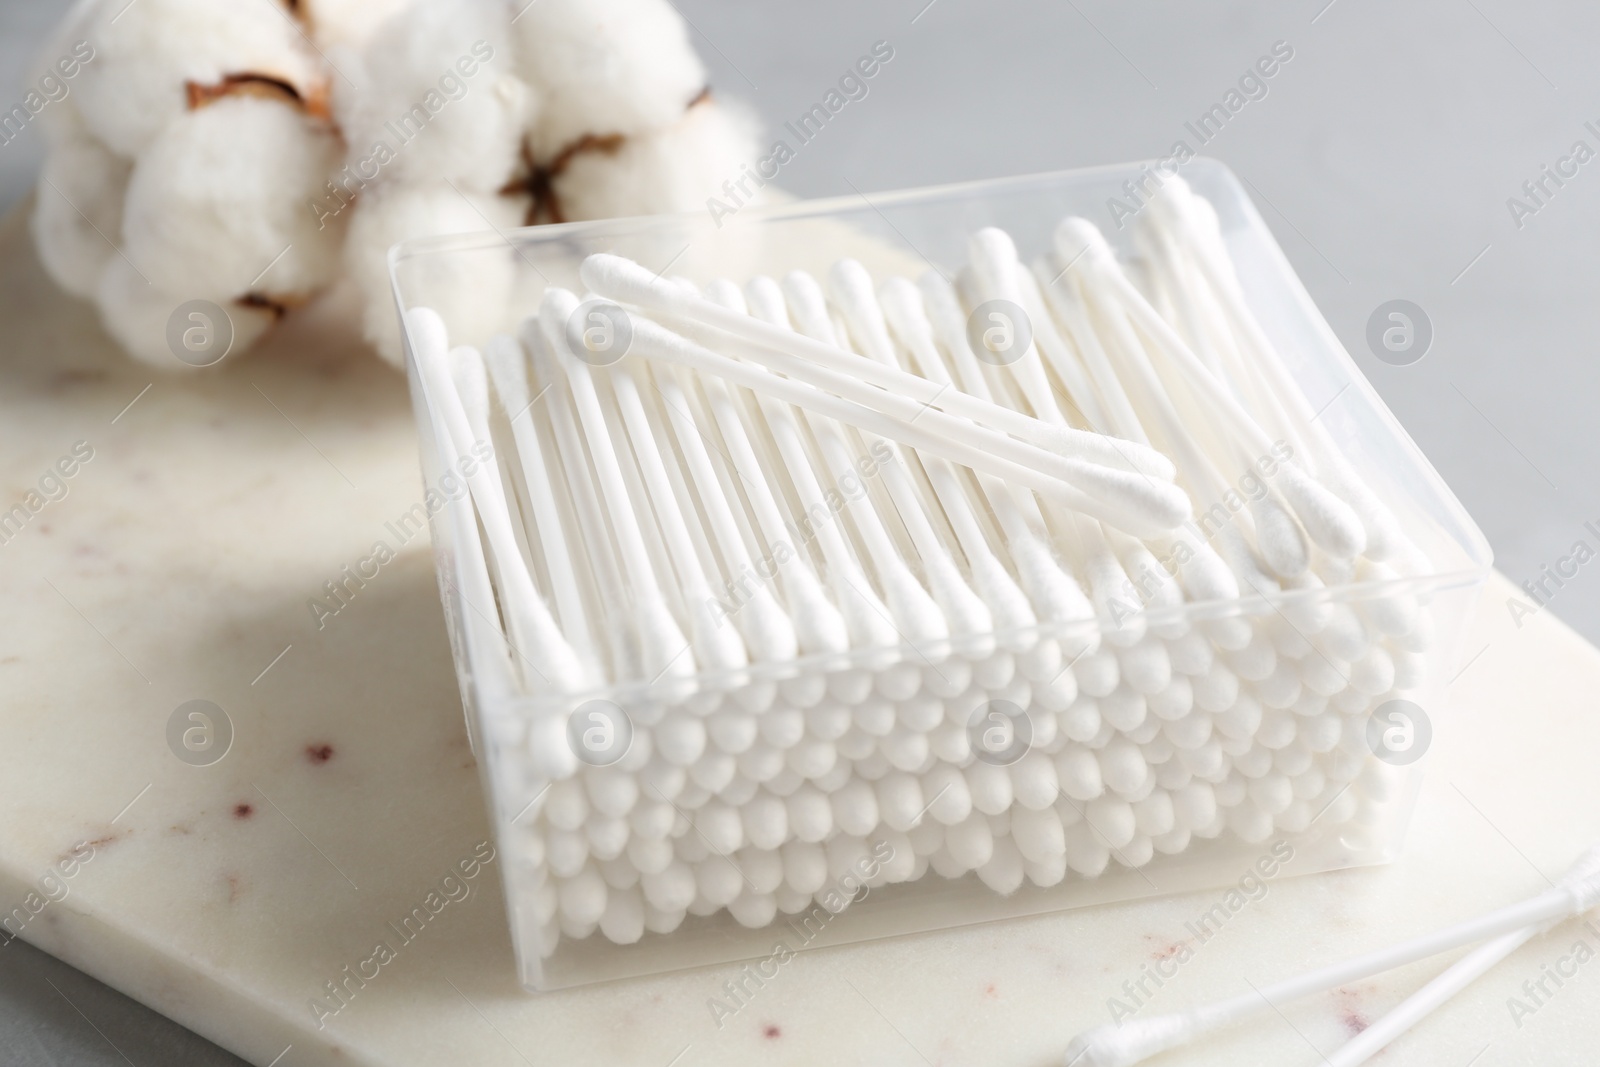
178,566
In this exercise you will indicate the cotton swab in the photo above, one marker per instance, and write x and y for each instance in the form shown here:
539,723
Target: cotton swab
1461,974
850,584
534,632
771,634
916,615
1130,1042
594,530
1056,595
718,647
968,616
508,371
663,647
625,281
1007,605
1191,218
1328,519
1139,498
1144,506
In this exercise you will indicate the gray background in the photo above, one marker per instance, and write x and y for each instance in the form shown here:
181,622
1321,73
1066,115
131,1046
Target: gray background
1382,157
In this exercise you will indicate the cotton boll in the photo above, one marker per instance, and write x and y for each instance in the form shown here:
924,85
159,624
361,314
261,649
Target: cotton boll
220,202
605,67
437,99
472,296
674,169
135,314
78,212
135,86
337,25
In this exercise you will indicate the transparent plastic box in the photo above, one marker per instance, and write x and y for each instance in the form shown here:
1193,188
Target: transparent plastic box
486,284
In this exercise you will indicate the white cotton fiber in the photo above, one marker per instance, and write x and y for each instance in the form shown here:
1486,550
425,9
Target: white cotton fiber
676,169
221,203
135,85
339,24
77,213
605,67
136,314
436,98
386,215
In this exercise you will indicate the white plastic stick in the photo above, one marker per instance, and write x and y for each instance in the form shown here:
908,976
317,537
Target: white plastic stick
534,633
663,647
1113,1045
1145,508
624,280
508,369
1461,974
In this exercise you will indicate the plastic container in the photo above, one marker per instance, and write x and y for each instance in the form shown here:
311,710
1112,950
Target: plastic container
484,284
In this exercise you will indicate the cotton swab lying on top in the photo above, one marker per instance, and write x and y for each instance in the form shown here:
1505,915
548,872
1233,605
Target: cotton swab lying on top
1135,1040
627,282
1145,507
1156,500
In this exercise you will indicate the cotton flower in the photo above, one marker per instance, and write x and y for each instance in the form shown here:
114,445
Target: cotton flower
139,316
464,297
218,205
436,98
264,154
671,169
79,211
148,56
339,24
605,67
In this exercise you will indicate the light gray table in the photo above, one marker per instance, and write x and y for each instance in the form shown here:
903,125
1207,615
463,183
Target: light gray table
1383,155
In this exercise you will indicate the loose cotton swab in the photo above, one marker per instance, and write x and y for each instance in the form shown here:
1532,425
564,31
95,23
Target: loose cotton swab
1121,1045
1141,506
625,281
1461,974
